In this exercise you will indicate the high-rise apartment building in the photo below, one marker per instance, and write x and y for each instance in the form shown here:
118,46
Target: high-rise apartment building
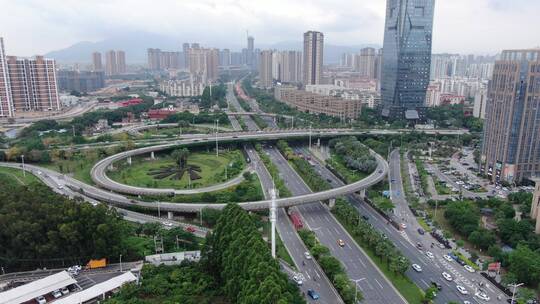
313,57
27,84
406,55
110,63
204,63
33,84
162,60
365,63
511,141
225,57
121,62
96,61
265,69
81,81
6,102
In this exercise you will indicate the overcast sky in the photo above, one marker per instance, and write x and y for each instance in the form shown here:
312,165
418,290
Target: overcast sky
32,27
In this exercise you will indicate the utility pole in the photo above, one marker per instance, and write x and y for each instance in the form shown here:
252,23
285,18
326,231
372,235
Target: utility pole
120,263
158,210
23,170
273,220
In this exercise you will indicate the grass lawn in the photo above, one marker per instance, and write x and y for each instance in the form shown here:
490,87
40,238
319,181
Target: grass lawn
409,290
282,252
212,170
441,188
78,169
337,162
18,176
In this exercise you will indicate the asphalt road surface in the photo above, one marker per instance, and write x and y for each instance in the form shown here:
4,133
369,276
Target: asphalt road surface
373,284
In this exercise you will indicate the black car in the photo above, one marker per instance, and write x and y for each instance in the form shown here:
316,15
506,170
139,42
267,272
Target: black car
365,217
421,231
436,285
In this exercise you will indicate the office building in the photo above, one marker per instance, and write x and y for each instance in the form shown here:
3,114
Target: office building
535,205
480,100
406,56
318,104
96,61
121,62
313,57
511,141
265,69
6,102
250,56
81,81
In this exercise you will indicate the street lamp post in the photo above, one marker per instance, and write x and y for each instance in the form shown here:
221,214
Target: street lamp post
217,147
23,171
356,288
120,263
515,286
310,136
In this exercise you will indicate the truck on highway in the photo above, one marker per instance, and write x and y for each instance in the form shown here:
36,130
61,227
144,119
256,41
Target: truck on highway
94,264
297,220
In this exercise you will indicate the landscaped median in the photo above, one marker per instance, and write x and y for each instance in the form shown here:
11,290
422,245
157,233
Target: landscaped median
381,251
331,266
274,172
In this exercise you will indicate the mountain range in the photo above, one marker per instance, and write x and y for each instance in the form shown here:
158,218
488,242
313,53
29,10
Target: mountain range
136,44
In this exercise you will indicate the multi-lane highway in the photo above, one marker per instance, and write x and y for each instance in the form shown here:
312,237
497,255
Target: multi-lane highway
373,284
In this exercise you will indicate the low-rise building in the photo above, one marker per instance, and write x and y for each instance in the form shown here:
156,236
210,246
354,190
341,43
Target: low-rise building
367,98
182,88
173,258
318,104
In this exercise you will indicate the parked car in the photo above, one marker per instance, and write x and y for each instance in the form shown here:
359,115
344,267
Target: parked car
64,290
41,300
448,258
56,294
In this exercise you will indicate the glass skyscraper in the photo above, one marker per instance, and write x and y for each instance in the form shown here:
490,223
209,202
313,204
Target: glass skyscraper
406,55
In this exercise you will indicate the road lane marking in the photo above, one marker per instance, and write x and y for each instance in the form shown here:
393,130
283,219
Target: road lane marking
379,284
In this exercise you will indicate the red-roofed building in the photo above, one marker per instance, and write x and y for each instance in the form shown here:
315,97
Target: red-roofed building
130,102
159,114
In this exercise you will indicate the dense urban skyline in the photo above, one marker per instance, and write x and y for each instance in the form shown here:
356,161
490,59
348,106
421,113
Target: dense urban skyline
461,26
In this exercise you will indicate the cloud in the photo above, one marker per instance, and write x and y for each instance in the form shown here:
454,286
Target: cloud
479,26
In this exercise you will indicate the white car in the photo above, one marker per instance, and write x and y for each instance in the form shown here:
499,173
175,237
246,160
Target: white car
466,302
41,300
168,224
469,268
429,254
298,280
462,289
416,267
448,258
482,296
64,291
307,255
56,294
447,276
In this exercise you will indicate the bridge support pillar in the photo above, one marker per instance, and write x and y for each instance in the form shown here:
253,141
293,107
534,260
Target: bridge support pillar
129,160
362,193
331,203
318,142
152,156
111,167
170,215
